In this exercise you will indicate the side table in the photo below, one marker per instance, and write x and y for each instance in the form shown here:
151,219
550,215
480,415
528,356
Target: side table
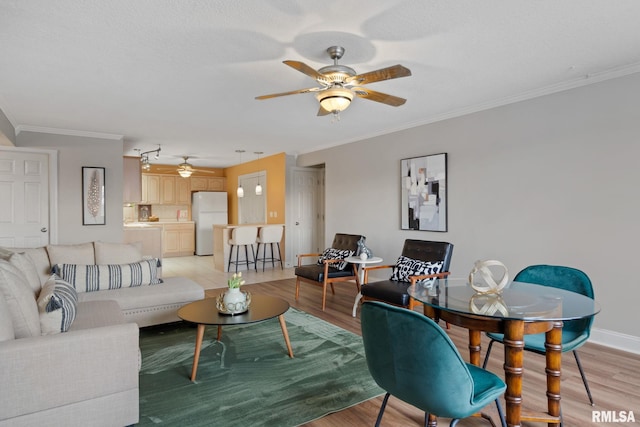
361,262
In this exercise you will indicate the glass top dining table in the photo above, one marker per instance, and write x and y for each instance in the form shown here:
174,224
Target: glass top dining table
519,309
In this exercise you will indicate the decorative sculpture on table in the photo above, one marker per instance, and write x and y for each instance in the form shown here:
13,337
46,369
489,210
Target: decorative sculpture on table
363,251
483,280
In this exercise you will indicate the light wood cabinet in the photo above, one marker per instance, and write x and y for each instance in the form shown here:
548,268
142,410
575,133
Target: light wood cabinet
178,240
183,191
132,177
151,189
214,183
167,190
198,183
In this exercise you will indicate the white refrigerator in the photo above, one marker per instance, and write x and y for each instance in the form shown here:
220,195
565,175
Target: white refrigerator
207,208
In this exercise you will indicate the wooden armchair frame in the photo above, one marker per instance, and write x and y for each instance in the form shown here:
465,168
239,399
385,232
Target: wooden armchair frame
326,279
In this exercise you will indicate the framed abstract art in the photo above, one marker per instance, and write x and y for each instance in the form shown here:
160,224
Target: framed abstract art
424,193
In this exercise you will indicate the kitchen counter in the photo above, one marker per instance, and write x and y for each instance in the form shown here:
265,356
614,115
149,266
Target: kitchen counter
153,223
173,238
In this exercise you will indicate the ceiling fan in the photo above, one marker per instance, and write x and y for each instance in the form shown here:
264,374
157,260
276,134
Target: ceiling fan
185,169
339,84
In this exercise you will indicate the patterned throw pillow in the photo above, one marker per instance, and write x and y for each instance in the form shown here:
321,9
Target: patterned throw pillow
90,278
57,305
331,253
406,267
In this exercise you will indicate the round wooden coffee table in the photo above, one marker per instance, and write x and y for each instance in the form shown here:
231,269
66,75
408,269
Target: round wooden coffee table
204,312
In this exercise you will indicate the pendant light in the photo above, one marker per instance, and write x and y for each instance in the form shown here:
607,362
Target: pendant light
258,186
240,190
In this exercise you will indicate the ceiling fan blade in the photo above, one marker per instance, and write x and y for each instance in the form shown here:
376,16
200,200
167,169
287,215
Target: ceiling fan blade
384,98
304,68
293,92
323,112
393,72
202,171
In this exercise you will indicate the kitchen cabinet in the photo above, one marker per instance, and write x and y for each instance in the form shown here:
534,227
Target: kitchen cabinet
214,183
178,239
149,237
132,177
151,189
167,190
183,191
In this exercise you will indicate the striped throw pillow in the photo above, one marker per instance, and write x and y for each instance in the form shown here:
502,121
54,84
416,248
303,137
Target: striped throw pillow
57,305
90,278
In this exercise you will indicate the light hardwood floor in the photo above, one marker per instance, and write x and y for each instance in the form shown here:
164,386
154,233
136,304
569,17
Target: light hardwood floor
614,375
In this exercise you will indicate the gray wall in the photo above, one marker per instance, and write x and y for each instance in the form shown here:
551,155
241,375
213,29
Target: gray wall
7,132
73,153
549,180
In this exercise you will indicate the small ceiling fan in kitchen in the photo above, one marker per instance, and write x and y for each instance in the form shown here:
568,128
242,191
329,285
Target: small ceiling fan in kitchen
185,169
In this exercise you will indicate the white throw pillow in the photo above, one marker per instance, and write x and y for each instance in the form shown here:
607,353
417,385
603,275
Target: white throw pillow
57,305
117,253
82,253
23,262
20,300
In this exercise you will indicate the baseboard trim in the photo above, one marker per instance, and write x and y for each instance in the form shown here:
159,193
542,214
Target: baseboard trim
615,340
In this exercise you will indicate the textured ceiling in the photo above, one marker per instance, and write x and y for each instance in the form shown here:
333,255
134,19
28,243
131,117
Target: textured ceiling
184,73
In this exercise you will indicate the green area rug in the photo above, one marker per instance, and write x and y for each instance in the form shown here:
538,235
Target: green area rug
248,379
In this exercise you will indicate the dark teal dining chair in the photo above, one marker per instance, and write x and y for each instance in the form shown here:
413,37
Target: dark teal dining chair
574,332
413,359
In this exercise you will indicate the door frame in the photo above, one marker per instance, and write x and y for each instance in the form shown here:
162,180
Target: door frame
53,185
319,221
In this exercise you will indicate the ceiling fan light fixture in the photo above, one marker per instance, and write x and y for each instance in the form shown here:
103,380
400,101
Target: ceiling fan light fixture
185,173
335,100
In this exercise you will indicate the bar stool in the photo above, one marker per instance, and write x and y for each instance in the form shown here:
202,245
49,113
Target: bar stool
269,234
242,236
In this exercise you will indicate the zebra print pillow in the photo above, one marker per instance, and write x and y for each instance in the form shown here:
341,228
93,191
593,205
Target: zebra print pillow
90,278
331,253
57,305
406,267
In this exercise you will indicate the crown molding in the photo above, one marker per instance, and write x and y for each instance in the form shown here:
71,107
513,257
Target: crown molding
68,132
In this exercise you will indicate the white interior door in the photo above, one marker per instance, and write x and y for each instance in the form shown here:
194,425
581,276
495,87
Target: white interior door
306,214
24,191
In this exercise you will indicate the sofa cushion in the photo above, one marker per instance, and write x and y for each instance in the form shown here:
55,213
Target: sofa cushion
174,290
20,300
96,314
25,264
6,324
90,278
40,260
57,304
407,267
332,253
117,253
82,253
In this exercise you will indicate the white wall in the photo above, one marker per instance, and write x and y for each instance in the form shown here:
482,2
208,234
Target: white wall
74,152
550,180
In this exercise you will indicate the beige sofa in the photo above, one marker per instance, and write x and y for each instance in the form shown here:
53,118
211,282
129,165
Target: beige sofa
87,375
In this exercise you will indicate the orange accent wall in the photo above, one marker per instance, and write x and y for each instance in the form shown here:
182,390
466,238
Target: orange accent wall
275,167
